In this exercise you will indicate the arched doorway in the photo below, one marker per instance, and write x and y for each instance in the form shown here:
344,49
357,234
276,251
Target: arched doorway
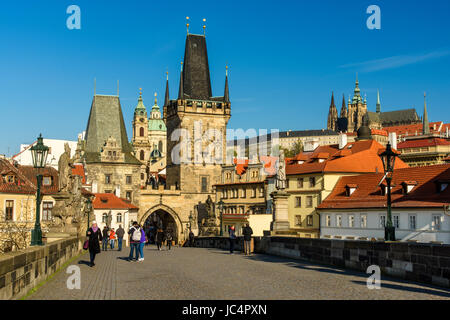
163,217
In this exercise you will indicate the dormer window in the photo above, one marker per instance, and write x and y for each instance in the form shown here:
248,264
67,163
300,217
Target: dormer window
47,181
408,186
301,162
384,189
350,188
10,179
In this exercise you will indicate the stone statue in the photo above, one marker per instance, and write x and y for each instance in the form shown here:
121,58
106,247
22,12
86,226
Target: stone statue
65,169
210,207
280,182
109,219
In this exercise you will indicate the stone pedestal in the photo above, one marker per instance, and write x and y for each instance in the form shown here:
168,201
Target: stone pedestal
280,211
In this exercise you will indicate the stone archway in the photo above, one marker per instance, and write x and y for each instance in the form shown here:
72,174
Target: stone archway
162,210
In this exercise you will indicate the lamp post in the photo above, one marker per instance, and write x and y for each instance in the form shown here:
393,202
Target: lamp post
39,153
388,159
220,205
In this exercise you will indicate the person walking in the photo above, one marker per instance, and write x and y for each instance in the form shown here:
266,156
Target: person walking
141,245
232,233
168,239
135,239
159,238
120,233
191,238
95,236
112,238
247,231
105,236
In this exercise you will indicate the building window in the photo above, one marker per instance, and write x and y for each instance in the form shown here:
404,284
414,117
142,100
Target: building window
241,210
47,207
351,221
298,220
412,222
312,182
254,193
142,176
128,195
204,184
300,183
243,193
107,179
142,155
119,217
128,179
9,212
47,181
364,221
436,222
298,202
105,218
328,221
396,222
141,131
339,221
309,201
382,221
261,192
309,220
10,179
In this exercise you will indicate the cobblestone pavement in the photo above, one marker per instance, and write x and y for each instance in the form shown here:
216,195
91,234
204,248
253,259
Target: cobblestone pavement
197,273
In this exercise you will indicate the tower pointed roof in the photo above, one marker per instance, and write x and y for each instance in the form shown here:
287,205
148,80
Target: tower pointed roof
226,95
332,105
426,124
196,83
167,97
140,108
378,102
344,107
181,87
357,92
105,122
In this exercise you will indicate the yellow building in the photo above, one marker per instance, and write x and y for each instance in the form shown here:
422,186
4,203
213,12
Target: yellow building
18,203
311,177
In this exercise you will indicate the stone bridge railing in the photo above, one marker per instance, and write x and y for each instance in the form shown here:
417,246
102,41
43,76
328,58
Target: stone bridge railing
24,270
420,262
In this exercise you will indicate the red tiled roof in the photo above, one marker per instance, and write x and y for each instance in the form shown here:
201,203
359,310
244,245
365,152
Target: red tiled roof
369,195
111,201
426,142
412,129
78,170
359,157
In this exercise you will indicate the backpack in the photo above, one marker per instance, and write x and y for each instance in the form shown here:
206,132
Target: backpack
136,236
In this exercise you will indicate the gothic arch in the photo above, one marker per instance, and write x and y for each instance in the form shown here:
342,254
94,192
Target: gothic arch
167,209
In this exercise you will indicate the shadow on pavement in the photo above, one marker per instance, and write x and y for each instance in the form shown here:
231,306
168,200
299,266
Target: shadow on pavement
88,263
428,290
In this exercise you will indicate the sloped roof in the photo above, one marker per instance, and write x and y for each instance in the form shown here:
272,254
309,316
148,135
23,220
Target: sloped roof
111,201
78,170
399,116
360,156
426,142
411,129
368,194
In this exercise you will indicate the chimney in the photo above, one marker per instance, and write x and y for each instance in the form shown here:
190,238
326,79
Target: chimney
393,140
342,141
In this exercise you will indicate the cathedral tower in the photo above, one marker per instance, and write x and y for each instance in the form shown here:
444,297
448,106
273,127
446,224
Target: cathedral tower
332,115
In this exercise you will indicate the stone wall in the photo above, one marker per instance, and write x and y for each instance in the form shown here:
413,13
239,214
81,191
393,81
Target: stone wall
24,270
421,262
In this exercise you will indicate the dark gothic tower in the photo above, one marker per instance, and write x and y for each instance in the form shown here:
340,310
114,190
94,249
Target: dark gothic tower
332,115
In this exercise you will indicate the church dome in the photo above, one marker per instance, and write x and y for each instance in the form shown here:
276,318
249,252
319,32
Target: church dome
364,133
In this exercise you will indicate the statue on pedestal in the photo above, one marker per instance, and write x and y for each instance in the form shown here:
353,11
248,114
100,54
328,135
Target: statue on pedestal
280,182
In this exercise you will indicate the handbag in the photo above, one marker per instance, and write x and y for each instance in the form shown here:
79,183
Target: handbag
86,244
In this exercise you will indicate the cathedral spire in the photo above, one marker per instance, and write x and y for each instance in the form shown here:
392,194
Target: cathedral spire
226,95
181,88
167,98
332,114
343,108
378,102
426,124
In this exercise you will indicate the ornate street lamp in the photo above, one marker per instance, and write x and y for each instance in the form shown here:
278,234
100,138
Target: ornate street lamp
39,153
388,159
220,206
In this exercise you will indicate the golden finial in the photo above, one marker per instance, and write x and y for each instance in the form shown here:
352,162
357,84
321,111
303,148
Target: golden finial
226,70
181,65
204,27
140,91
187,24
167,75
156,100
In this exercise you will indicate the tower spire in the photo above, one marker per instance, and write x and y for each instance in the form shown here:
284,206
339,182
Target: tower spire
426,124
187,24
180,90
378,102
167,98
226,95
204,27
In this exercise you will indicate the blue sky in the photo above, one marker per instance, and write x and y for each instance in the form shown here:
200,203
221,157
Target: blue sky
285,58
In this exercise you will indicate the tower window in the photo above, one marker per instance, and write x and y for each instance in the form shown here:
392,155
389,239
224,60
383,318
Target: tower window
142,155
204,184
141,131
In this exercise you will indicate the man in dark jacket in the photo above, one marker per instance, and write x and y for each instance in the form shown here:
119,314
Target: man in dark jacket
120,233
105,234
247,232
135,240
191,238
